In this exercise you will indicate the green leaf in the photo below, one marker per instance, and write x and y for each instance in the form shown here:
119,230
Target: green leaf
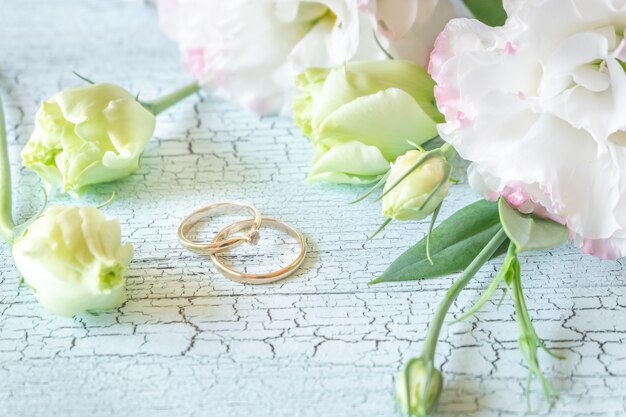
453,245
490,12
528,232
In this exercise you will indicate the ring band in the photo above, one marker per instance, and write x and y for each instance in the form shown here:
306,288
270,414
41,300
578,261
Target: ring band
218,245
267,277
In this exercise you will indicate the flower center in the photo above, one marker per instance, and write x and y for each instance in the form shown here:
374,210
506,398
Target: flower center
110,276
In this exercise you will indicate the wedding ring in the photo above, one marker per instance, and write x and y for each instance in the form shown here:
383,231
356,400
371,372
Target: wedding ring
251,235
262,278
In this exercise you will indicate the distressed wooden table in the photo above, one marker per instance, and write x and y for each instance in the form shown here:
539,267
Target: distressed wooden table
322,343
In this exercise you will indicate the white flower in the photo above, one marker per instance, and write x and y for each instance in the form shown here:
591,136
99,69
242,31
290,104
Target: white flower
248,51
73,259
363,115
539,107
88,135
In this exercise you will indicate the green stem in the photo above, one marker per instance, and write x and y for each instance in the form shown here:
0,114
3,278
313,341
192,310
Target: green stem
448,151
159,105
6,216
432,337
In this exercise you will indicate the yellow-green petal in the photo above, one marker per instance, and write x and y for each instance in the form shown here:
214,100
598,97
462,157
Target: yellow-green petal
351,162
389,120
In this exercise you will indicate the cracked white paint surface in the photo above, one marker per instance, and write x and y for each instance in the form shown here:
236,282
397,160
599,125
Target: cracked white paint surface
323,343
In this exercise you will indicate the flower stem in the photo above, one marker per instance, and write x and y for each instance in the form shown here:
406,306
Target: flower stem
6,216
432,337
159,105
529,341
448,151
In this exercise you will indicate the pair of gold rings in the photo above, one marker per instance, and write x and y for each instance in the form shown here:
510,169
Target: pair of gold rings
227,239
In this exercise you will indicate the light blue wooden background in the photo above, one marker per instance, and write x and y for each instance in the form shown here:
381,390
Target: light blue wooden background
323,343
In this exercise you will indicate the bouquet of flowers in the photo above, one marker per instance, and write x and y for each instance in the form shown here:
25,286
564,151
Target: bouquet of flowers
534,103
389,94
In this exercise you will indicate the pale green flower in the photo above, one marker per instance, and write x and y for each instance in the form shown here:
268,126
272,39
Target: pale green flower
421,191
88,135
379,108
418,387
73,259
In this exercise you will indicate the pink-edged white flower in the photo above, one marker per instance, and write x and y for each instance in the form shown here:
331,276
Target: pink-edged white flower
539,107
249,51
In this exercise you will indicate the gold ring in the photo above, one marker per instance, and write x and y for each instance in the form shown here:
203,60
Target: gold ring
266,277
251,236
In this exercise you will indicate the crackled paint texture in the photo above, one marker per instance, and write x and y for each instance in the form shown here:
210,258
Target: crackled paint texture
322,343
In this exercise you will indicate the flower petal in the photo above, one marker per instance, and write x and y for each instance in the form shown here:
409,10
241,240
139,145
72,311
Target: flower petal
129,125
389,119
82,103
350,162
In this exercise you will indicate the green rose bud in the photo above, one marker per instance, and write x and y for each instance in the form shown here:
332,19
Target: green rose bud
362,115
73,259
88,135
421,191
418,387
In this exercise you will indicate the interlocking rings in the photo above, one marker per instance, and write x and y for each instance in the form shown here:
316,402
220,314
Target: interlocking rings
224,240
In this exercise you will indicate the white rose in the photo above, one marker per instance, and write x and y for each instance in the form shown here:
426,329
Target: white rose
73,259
249,51
538,106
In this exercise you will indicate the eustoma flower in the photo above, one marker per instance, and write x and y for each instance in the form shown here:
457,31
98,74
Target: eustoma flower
72,257
418,387
416,186
248,51
86,135
363,115
92,134
538,107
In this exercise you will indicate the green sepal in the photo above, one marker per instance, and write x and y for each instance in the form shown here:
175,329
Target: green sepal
433,219
379,184
380,229
85,79
453,245
487,295
528,232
